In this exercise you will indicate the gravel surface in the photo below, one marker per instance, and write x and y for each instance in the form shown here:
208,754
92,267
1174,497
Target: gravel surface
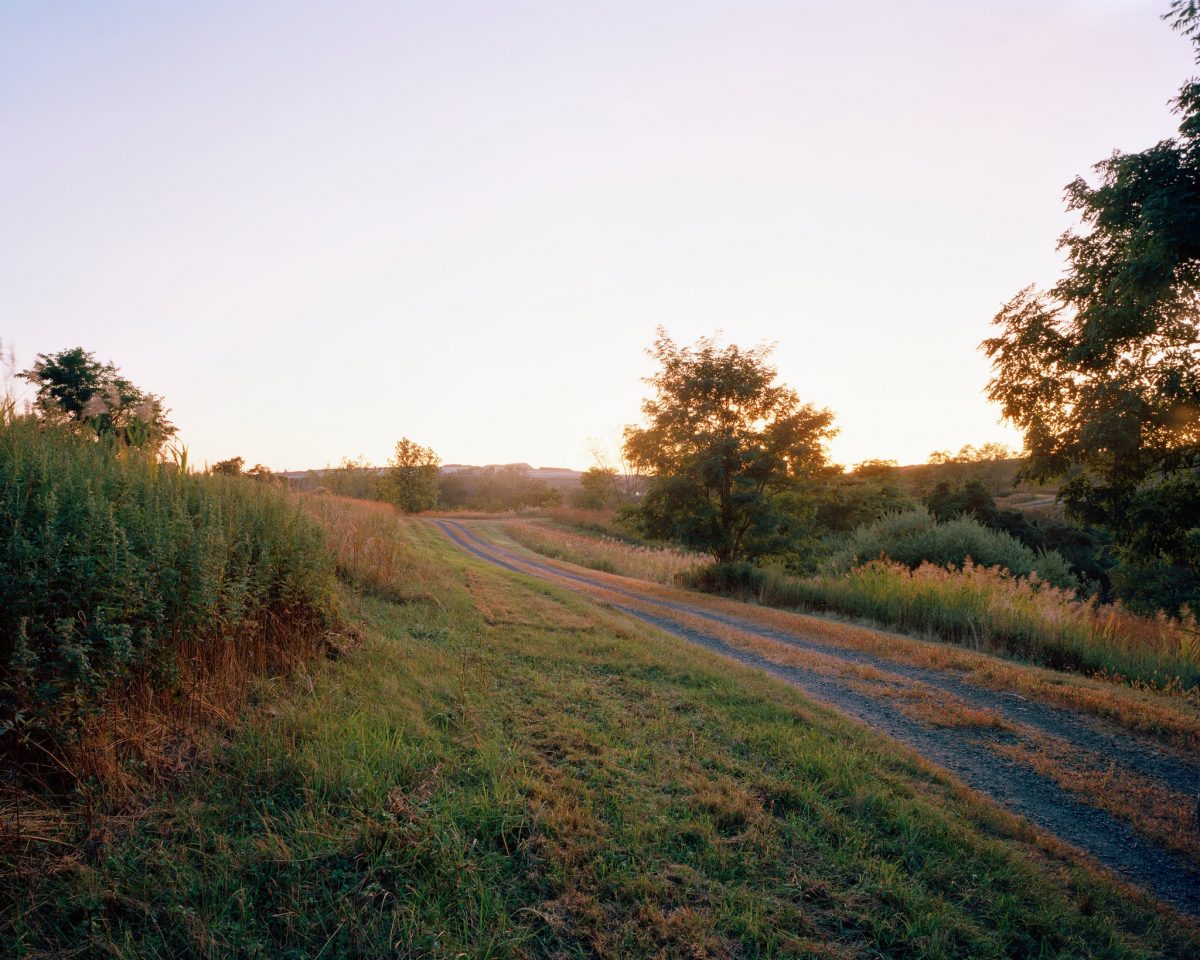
964,751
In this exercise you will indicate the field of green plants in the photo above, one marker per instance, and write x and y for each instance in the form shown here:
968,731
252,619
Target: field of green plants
124,579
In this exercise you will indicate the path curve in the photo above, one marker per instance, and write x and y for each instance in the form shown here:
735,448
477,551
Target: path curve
966,754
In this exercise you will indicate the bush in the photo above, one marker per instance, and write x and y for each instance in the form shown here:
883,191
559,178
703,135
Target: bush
743,580
914,537
115,567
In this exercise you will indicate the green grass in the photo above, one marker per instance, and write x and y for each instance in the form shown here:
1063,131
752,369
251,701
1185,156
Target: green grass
504,770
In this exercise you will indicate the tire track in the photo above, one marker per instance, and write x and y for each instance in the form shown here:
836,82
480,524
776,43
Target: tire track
966,754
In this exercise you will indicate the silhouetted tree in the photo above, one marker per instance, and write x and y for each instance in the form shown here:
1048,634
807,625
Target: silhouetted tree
75,388
723,442
1101,372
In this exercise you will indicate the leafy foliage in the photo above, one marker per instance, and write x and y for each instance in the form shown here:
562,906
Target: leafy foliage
916,537
1102,372
412,477
870,491
599,487
74,387
723,441
110,562
229,468
1084,548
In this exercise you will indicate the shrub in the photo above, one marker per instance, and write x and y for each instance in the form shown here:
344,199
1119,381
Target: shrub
115,569
743,580
914,537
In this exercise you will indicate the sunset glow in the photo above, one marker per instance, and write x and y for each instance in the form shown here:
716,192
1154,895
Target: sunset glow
314,232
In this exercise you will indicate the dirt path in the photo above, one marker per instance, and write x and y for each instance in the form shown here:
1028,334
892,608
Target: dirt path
879,692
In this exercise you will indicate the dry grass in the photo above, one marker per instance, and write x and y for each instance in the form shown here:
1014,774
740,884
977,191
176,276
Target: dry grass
1162,815
1166,816
1169,714
149,734
660,564
454,787
988,608
370,545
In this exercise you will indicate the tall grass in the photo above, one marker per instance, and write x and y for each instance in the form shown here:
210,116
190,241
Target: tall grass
123,579
661,564
989,608
370,547
986,608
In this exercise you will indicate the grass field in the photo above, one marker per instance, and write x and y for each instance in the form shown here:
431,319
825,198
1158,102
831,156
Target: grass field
501,769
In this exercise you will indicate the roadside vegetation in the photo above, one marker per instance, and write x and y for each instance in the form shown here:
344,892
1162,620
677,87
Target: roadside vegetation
134,592
196,761
663,564
984,608
467,781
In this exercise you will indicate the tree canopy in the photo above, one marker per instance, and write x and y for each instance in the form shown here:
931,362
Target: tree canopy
599,487
722,442
1102,371
74,387
231,467
412,477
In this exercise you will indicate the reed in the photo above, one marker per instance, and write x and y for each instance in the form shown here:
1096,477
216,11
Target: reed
989,608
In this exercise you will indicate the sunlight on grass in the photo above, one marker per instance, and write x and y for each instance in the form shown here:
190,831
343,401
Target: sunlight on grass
661,564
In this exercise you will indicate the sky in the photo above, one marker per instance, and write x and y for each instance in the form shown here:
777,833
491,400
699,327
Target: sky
315,228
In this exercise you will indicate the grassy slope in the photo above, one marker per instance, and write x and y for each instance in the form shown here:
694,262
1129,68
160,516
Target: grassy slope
504,770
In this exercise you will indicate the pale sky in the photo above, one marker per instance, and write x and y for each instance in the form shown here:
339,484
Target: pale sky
317,227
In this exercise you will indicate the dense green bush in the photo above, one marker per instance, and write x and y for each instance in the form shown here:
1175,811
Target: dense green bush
915,537
110,561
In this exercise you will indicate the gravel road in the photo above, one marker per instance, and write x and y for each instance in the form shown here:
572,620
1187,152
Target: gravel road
968,753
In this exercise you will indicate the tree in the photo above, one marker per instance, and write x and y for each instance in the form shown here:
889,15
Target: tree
412,477
231,467
723,442
73,387
1101,371
494,488
599,487
355,478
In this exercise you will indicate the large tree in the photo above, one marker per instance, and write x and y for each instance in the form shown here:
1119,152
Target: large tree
412,477
76,388
1101,371
723,443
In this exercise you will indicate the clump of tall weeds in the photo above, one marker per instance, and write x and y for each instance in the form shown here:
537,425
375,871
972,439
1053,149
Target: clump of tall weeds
134,593
370,548
992,609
